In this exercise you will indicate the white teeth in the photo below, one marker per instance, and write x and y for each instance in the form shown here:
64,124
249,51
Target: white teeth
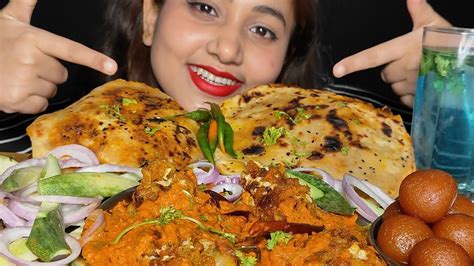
211,78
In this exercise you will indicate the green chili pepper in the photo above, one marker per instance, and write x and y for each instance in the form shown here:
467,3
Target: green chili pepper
217,114
212,135
229,140
203,142
200,115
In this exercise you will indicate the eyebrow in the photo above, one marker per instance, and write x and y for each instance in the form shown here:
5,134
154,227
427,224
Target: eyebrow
270,11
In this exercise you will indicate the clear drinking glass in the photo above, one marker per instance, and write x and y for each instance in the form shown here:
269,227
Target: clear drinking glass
443,115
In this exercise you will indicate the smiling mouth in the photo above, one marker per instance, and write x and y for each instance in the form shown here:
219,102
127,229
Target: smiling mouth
213,81
211,78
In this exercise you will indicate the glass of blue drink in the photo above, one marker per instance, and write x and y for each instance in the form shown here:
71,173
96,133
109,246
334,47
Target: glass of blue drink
443,115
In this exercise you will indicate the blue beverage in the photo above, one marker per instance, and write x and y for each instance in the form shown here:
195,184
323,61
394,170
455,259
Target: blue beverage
443,116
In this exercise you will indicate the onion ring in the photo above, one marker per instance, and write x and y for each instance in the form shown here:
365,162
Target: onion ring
76,151
111,168
348,184
202,176
98,216
229,191
11,234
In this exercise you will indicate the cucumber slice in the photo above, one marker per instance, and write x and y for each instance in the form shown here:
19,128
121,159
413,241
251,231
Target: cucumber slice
6,162
85,184
52,167
331,200
20,250
46,239
21,178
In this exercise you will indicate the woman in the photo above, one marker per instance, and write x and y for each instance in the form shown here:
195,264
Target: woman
255,42
205,51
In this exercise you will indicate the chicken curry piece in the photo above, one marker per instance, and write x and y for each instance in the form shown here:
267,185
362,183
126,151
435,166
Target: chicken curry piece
178,222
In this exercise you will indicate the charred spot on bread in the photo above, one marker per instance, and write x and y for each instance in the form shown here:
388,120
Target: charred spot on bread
256,149
332,143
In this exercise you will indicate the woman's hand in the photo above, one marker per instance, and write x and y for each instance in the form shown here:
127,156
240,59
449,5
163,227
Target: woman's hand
401,56
29,65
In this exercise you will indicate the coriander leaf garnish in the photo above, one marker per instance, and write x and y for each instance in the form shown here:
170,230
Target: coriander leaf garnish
271,135
169,214
301,114
345,150
151,131
246,260
278,237
113,112
127,101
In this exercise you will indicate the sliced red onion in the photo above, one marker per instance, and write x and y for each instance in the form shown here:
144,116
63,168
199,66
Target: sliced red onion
76,151
231,179
79,215
72,163
230,191
27,163
30,189
338,186
325,175
9,218
9,235
70,207
58,199
23,210
348,184
98,216
202,176
370,189
111,168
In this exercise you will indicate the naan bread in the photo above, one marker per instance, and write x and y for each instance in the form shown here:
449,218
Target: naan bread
120,121
333,132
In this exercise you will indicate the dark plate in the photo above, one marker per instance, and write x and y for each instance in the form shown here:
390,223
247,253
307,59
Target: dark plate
109,203
374,229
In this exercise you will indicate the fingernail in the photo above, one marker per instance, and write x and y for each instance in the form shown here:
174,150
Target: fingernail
339,71
109,67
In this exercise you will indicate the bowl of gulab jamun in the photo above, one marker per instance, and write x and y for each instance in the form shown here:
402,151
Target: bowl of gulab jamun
428,224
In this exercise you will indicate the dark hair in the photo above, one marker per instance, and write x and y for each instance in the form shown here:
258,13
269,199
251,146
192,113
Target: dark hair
123,42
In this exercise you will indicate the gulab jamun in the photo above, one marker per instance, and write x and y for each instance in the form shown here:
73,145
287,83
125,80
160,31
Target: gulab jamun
427,194
458,228
438,251
398,234
392,209
462,205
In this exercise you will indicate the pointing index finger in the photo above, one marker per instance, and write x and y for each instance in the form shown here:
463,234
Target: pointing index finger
74,52
375,56
20,9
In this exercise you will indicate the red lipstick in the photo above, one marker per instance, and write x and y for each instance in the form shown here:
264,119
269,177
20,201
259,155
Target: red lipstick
213,89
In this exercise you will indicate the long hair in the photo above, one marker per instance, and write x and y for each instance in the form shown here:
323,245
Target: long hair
303,64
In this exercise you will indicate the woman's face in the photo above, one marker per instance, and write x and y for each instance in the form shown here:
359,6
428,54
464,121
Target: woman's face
208,50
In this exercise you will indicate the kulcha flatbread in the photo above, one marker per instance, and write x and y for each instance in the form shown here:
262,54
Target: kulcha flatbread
120,121
318,129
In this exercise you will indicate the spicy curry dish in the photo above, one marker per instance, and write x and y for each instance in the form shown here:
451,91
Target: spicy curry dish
171,220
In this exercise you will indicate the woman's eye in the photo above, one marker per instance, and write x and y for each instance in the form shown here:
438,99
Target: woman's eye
264,32
204,8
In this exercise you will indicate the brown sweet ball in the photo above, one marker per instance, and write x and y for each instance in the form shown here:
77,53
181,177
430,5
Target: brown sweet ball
398,234
458,228
427,194
392,209
462,205
438,251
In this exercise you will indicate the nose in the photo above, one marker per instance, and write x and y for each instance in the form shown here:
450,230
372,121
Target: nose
226,47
